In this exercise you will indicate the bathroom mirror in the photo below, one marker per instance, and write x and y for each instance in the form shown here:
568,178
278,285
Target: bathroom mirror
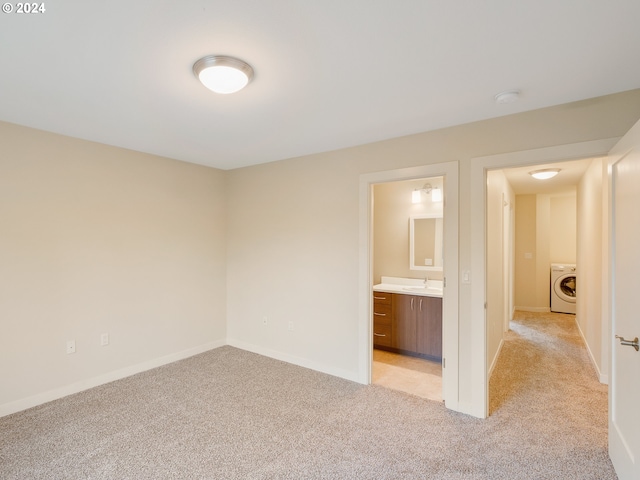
425,242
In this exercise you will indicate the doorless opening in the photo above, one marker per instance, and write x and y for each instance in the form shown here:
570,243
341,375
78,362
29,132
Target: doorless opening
407,235
449,171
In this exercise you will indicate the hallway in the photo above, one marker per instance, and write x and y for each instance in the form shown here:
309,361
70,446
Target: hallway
545,382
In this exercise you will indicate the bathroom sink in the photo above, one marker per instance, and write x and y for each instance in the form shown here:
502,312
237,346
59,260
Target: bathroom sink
422,289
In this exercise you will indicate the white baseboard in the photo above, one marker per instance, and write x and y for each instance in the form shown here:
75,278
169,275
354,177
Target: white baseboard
44,397
533,309
494,362
301,362
602,377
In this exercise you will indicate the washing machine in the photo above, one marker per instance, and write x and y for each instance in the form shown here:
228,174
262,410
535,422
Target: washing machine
563,288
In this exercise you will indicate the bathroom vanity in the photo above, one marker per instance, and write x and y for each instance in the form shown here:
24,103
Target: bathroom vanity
407,317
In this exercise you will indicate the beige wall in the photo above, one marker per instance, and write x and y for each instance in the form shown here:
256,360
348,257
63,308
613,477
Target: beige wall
543,249
392,208
589,305
562,238
500,197
97,239
546,229
104,239
294,244
525,252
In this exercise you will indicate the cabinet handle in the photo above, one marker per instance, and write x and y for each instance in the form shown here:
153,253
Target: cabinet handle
380,314
420,304
379,334
379,298
411,303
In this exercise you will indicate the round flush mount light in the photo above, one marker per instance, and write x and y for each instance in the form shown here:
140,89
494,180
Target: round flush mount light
222,74
507,97
544,174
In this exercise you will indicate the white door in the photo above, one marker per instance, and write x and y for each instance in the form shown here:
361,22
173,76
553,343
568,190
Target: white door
624,388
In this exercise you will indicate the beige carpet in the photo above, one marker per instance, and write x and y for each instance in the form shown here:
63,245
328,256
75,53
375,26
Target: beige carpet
230,414
416,376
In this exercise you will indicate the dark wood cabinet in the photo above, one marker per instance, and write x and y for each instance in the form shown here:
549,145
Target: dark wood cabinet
382,319
404,322
410,324
429,328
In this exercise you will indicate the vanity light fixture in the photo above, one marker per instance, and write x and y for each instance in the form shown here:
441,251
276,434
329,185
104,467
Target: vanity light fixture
222,74
545,173
436,193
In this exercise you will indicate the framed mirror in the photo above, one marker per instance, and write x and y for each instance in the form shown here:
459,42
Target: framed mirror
425,242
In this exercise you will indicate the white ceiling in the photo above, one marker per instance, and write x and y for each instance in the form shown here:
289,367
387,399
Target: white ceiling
328,73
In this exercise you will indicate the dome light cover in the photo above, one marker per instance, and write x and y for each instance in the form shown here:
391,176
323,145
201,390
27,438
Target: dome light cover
222,74
545,174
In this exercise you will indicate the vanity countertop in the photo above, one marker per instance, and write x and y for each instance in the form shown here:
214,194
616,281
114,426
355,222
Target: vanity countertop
409,286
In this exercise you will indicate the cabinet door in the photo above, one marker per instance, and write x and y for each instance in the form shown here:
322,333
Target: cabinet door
404,321
429,327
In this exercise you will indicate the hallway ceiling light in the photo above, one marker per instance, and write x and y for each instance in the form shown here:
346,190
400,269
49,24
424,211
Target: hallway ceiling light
222,74
545,173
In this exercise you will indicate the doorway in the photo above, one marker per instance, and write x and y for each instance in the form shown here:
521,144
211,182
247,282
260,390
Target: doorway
407,248
594,330
449,172
531,225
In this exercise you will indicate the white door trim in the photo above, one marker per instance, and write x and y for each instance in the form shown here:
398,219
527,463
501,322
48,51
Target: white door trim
450,305
479,165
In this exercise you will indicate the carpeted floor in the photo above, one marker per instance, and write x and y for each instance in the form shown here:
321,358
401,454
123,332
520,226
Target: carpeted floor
230,414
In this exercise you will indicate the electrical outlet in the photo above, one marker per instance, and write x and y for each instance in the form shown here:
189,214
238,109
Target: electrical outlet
104,339
265,320
291,327
71,346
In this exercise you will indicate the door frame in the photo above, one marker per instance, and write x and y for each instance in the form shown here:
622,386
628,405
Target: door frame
478,191
449,171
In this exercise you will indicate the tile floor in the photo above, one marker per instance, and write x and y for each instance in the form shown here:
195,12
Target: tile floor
416,376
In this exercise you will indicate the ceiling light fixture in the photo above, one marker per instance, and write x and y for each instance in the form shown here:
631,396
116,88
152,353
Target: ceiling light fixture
222,74
545,173
507,97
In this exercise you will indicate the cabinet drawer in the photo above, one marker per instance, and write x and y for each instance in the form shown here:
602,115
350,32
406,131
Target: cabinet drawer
382,298
381,335
382,318
382,313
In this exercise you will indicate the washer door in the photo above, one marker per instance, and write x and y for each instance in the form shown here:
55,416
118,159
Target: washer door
565,287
